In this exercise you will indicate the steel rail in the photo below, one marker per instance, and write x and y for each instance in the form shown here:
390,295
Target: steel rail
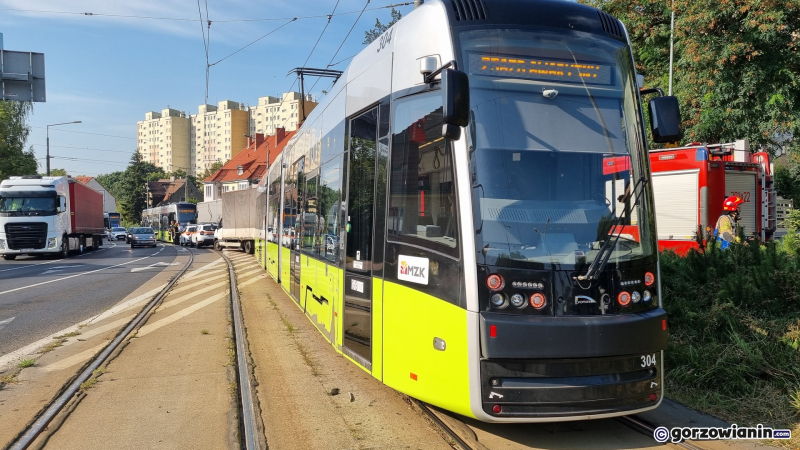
48,414
433,417
246,404
648,429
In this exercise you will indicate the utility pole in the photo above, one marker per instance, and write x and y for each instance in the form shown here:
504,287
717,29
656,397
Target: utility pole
671,33
48,141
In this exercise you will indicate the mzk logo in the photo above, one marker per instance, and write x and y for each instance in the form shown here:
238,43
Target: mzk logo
413,269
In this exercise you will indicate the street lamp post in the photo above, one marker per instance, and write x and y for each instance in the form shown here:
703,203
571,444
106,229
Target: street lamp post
48,141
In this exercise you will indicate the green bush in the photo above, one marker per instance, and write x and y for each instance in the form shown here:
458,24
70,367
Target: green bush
734,319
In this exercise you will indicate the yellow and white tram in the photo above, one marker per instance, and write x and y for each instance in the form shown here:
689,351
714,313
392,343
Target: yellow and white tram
459,235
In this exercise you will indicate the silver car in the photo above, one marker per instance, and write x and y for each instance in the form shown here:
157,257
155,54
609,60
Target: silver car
141,236
116,233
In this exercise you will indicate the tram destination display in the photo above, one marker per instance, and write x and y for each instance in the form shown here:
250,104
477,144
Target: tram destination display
540,69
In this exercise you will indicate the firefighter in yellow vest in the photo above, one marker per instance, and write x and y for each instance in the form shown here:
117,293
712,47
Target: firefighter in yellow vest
726,230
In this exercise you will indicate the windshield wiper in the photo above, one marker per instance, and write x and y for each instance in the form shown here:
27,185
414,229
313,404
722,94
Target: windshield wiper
600,261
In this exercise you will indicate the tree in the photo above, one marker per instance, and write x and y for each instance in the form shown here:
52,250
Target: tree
112,182
379,28
14,130
737,65
133,197
58,172
211,170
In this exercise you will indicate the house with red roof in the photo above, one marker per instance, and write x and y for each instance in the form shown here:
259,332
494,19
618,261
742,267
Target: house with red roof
247,168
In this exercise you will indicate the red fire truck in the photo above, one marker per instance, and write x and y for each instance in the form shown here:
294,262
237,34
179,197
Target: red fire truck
690,183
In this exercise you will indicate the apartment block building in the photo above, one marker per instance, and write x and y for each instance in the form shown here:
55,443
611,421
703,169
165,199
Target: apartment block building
272,113
218,133
163,139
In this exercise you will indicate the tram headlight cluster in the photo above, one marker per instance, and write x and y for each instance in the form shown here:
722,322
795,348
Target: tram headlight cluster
538,300
495,282
499,300
518,300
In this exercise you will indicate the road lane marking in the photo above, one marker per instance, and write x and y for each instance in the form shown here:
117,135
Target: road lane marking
152,266
5,322
46,262
60,268
73,276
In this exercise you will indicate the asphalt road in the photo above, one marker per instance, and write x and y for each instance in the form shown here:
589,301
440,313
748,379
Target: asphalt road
41,295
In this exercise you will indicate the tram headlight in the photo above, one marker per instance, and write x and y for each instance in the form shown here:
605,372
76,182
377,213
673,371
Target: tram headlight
499,301
624,298
518,300
649,279
647,296
636,297
495,282
538,300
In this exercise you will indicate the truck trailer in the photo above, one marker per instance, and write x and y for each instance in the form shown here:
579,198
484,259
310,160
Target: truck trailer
49,215
243,220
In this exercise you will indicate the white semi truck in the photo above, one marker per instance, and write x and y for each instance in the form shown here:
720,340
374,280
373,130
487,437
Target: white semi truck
48,215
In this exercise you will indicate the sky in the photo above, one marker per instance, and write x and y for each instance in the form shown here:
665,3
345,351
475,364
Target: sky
108,71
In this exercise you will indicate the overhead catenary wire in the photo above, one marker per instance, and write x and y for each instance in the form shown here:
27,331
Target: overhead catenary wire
248,45
184,19
87,148
85,132
342,44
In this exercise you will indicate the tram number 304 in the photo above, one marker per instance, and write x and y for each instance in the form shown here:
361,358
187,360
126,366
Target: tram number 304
648,360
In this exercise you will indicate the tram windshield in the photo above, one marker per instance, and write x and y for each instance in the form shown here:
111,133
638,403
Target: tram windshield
187,214
557,146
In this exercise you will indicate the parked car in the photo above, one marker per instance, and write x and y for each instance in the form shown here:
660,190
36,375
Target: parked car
117,234
141,236
203,235
186,236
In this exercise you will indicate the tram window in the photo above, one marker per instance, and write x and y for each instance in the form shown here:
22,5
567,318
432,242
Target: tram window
422,205
329,196
310,217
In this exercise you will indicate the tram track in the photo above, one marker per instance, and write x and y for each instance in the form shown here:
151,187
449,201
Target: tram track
248,414
463,440
52,409
247,411
638,424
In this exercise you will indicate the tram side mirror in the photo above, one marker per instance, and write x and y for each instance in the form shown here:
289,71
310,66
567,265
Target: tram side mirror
665,119
455,90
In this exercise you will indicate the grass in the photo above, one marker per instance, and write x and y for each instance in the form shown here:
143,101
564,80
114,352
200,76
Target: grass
26,363
68,335
9,379
88,384
51,346
289,327
734,320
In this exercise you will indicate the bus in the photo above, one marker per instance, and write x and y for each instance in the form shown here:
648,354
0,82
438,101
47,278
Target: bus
477,254
160,217
111,220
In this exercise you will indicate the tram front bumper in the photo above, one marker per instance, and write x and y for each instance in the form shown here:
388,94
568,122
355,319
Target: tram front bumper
557,367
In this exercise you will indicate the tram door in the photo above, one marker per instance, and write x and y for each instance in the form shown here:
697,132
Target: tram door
293,234
357,314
